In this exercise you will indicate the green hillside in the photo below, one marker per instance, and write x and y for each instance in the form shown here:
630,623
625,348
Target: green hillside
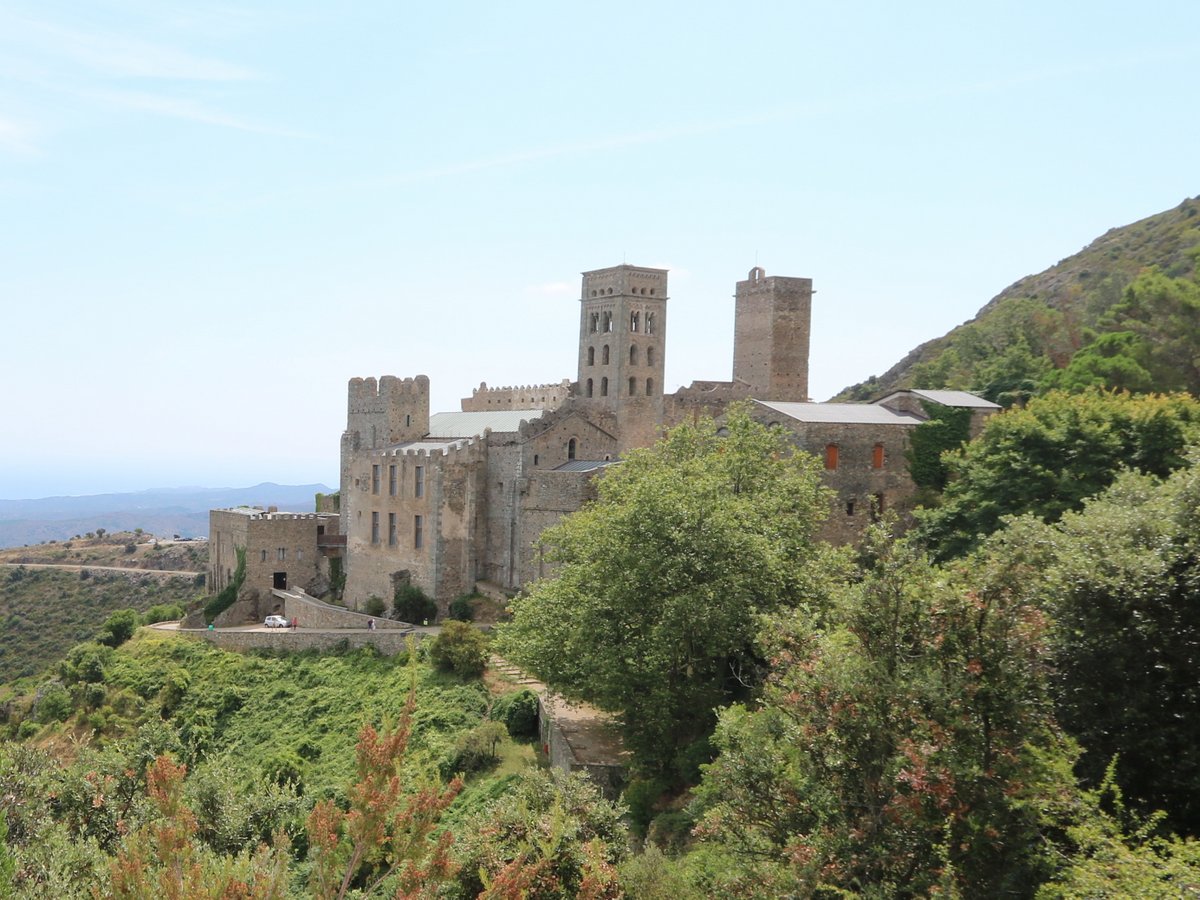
44,612
1099,317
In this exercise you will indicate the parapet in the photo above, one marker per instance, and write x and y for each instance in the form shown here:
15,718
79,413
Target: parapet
369,395
625,280
529,396
758,280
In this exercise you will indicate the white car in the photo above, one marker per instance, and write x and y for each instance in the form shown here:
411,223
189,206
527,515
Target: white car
276,622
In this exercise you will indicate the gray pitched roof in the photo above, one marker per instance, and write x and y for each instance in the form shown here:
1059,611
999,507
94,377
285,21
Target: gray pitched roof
957,398
470,424
841,413
583,465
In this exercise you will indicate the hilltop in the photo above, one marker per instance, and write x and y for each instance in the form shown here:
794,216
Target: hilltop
1039,323
179,511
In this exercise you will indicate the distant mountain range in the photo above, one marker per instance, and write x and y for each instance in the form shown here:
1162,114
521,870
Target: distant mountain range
161,511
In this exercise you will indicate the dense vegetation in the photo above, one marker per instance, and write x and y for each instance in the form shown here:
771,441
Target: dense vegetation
1002,704
1122,313
43,613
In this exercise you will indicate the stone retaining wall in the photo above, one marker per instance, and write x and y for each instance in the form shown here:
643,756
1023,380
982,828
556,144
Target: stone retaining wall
314,613
388,643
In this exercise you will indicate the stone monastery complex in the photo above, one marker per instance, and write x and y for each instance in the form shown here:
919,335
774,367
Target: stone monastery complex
449,500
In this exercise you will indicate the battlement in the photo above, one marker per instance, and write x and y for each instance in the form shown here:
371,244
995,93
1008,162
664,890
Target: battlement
369,395
529,396
758,280
624,280
450,448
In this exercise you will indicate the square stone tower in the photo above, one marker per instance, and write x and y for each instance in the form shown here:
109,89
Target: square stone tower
772,322
622,342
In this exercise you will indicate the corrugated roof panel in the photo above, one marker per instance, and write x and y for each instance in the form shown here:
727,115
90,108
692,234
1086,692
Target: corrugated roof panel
470,424
583,465
841,413
957,398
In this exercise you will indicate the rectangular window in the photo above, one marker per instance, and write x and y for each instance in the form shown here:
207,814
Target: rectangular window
391,529
264,556
374,479
831,456
374,528
418,532
299,554
392,480
418,481
281,554
877,457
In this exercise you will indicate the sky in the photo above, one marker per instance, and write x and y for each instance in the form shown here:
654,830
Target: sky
212,215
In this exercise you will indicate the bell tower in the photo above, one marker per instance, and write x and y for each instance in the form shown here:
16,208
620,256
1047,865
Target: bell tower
622,342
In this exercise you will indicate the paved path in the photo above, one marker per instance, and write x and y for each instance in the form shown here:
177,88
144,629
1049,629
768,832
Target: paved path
126,569
417,629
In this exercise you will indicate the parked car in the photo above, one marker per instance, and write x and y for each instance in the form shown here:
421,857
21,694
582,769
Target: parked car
276,622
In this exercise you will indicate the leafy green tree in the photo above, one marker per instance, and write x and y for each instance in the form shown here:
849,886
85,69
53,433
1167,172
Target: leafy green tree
1050,456
460,648
412,605
908,743
662,581
119,627
1165,313
1116,360
1119,581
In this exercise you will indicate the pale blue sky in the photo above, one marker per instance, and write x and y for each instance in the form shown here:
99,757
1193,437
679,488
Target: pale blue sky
212,215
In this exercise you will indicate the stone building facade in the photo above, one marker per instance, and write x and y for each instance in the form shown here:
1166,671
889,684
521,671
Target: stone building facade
283,549
444,501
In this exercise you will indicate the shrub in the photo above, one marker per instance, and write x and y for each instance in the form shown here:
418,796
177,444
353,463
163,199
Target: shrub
642,796
460,648
477,749
375,606
412,605
519,713
53,703
462,609
162,612
119,627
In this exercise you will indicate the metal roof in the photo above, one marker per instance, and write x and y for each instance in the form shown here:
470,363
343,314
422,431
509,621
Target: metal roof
470,424
841,413
957,398
583,465
430,446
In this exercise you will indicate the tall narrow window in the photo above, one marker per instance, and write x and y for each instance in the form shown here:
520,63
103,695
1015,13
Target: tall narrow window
632,386
374,479
589,387
603,387
633,354
606,322
571,448
418,532
650,322
594,323
391,529
831,456
634,321
264,556
649,356
649,387
850,507
281,554
392,480
374,528
604,355
418,481
877,457
591,356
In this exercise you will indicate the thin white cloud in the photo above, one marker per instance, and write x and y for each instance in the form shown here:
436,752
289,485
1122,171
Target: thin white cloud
119,55
182,108
17,137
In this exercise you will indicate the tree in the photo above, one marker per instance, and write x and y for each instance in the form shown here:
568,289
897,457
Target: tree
662,580
906,747
1119,581
1049,457
460,648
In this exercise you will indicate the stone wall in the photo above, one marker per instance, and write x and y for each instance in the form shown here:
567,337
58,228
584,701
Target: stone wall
772,320
283,544
388,643
547,497
530,396
702,399
313,613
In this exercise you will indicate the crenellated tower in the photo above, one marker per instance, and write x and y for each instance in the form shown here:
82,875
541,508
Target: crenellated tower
388,412
771,335
622,345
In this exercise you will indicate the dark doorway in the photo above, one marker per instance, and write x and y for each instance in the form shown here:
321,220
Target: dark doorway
281,581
